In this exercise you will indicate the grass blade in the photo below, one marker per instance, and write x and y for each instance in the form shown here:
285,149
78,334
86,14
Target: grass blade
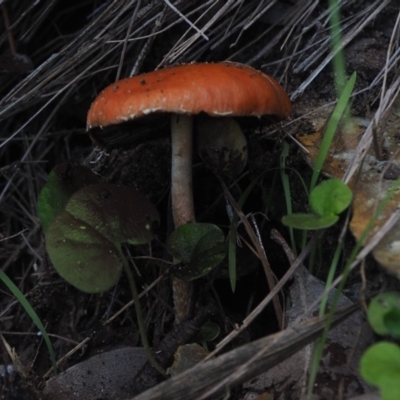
31,312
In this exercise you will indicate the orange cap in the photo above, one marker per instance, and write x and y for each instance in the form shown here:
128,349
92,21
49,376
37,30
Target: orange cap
220,89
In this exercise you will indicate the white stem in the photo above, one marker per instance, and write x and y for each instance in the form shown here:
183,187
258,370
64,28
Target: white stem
181,169
181,199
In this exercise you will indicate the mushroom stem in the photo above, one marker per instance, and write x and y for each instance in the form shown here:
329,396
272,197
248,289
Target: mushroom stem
181,199
181,169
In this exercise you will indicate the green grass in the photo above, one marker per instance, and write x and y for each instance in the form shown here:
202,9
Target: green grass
319,345
331,128
287,192
344,89
344,92
233,235
31,312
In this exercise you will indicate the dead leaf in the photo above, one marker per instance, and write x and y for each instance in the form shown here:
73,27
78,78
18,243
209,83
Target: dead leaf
187,356
374,181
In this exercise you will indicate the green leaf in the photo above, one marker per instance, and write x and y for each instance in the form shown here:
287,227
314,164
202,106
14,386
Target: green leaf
120,213
208,253
63,181
380,366
208,332
81,255
83,241
183,240
309,221
331,197
200,248
327,200
392,322
384,314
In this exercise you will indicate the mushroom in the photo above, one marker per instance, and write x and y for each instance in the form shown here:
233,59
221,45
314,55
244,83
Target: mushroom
222,145
218,90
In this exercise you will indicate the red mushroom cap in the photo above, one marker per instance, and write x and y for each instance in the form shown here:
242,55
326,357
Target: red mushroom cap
221,89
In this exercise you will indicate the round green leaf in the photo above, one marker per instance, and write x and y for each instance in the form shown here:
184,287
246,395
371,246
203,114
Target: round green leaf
83,241
380,366
183,240
331,197
384,314
208,332
120,213
309,221
208,253
392,322
81,255
63,181
200,247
